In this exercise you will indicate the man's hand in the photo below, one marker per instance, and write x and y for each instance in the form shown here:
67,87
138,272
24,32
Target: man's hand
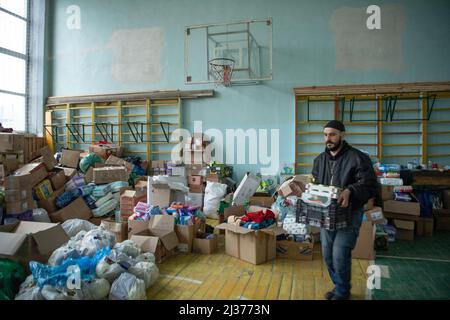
344,198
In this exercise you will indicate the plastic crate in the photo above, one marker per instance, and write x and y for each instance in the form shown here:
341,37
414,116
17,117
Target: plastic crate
332,217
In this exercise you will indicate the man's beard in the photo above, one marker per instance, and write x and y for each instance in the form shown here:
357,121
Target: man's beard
334,146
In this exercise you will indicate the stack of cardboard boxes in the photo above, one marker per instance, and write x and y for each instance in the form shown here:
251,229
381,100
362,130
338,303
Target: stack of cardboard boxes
129,199
194,149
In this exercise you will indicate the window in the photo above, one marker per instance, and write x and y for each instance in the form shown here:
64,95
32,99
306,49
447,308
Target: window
13,63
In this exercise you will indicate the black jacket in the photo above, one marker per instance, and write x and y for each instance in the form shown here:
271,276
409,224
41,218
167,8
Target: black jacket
353,170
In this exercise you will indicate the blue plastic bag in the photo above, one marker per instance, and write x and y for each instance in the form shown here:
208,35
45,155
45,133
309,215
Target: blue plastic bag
57,275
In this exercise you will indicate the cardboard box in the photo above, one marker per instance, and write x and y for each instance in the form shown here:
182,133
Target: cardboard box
195,199
265,202
14,195
197,189
7,166
11,142
293,187
26,241
96,220
77,209
446,199
254,246
49,204
195,170
411,208
110,174
57,178
119,229
48,158
295,250
246,188
204,246
156,235
105,150
70,158
68,172
185,236
387,192
375,215
365,244
115,161
21,206
28,175
369,205
160,194
44,190
405,229
195,180
425,227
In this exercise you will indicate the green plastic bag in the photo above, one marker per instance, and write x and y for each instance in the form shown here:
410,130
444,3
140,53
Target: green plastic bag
89,161
12,275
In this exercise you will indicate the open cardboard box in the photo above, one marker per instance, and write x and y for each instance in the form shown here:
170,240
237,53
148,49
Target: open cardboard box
77,209
26,241
160,194
365,245
156,235
119,229
185,234
203,245
295,250
70,158
254,246
26,176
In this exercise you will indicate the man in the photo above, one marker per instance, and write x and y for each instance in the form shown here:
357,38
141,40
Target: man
343,166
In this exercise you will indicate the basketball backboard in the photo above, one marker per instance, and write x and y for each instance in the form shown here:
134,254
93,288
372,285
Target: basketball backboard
247,43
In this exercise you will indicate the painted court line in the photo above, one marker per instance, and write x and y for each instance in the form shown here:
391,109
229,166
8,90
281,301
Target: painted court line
413,258
182,278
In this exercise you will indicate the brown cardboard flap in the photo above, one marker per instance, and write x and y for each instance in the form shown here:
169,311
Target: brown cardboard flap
170,240
233,211
162,222
273,230
50,239
11,242
233,228
404,224
137,226
145,243
27,227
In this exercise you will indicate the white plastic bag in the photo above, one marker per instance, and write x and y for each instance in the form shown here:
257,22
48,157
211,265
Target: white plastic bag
31,293
40,215
96,289
56,293
113,265
73,226
214,192
146,271
61,254
128,247
128,287
95,240
146,257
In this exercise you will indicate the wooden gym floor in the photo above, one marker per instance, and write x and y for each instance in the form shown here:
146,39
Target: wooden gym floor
219,276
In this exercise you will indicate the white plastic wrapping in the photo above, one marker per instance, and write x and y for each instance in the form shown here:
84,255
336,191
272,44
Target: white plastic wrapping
214,192
62,253
96,289
31,293
56,293
147,271
95,240
41,215
128,287
146,257
128,247
73,226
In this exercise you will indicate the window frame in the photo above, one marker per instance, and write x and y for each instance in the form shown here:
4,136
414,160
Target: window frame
25,57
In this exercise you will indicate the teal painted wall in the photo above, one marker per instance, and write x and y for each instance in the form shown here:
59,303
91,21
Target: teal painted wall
304,54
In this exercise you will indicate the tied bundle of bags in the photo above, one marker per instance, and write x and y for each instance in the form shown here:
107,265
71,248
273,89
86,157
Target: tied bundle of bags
91,266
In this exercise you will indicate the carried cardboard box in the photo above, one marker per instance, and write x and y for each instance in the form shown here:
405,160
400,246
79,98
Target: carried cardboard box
375,215
185,234
77,209
119,229
30,241
28,175
295,250
110,174
70,158
246,188
365,244
405,229
49,204
402,207
11,142
203,245
156,235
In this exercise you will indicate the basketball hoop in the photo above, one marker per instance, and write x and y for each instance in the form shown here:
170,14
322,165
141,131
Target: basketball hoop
222,70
